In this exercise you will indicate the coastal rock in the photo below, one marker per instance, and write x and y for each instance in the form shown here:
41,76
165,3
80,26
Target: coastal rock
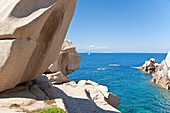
67,61
39,89
25,105
99,93
162,74
31,35
57,78
149,66
81,97
34,95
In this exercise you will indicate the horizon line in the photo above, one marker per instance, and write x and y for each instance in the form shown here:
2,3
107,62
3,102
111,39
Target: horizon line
125,52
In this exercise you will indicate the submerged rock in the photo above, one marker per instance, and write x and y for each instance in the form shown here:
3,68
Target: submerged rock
31,35
149,66
161,76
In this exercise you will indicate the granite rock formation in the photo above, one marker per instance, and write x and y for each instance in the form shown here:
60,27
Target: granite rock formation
99,94
87,97
149,66
57,78
31,35
161,76
82,97
67,61
31,96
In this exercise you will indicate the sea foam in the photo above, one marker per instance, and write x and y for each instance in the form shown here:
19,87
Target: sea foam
135,67
114,65
101,68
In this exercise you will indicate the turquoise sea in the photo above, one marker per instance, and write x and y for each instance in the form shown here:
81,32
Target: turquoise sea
118,72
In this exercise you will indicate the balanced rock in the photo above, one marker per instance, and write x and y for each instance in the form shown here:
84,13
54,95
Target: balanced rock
162,74
67,61
149,66
31,35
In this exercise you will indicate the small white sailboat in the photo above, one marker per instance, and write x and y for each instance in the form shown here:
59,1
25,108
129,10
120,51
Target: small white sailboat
88,53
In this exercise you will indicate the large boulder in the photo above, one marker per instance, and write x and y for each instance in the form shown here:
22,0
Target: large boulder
99,94
87,97
67,61
149,66
162,74
31,35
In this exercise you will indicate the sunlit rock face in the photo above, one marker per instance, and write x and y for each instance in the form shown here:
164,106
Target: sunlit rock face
68,60
57,78
31,36
87,97
149,66
162,74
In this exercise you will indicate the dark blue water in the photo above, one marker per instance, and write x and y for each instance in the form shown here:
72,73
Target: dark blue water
137,93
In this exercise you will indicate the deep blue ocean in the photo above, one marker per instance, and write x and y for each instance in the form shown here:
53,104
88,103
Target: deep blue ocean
118,72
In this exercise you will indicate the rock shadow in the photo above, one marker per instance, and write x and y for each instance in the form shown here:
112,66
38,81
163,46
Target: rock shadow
79,105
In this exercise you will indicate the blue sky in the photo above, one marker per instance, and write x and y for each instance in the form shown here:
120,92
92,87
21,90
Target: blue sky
141,26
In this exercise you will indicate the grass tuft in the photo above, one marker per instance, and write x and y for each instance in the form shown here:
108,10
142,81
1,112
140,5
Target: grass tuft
53,110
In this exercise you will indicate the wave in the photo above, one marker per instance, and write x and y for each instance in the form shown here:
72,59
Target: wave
101,68
135,67
114,65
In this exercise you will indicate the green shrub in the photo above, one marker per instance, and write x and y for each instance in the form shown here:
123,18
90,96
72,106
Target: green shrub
53,110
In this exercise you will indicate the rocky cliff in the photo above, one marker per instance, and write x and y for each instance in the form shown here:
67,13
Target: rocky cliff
31,35
162,73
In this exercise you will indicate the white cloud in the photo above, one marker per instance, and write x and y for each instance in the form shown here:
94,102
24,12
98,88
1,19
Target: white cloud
92,46
96,49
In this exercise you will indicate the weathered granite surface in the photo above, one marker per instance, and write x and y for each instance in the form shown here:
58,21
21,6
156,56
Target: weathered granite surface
30,96
87,97
31,35
161,76
67,61
149,66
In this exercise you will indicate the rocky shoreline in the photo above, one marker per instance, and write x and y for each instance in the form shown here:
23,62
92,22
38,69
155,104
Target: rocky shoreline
160,72
35,61
55,89
82,97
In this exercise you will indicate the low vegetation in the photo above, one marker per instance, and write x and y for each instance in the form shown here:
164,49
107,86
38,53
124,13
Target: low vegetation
49,102
14,106
53,110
